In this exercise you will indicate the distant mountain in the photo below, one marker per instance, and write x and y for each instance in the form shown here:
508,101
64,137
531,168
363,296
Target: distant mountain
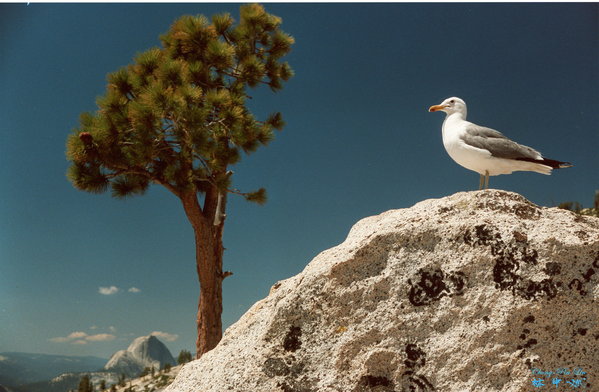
23,368
69,381
20,372
145,351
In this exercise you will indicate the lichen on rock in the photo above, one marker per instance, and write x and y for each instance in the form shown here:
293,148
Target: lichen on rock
472,292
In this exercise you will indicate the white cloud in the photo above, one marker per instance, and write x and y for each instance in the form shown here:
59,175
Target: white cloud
93,327
169,337
112,329
72,336
101,337
108,290
76,335
2,358
79,337
134,290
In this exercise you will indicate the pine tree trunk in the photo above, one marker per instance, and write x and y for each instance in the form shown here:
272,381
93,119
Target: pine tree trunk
209,262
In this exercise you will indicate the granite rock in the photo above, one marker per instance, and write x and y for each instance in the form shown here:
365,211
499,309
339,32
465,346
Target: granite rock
478,291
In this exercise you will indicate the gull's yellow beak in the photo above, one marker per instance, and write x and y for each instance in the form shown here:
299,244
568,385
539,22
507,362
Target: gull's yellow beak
436,108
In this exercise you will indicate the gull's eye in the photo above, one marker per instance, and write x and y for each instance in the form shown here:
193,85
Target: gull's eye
452,101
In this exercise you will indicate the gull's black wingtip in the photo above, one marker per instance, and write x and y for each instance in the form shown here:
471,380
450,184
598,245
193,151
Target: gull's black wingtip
548,162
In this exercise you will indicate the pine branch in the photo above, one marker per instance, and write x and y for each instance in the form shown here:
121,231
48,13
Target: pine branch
143,172
258,196
238,77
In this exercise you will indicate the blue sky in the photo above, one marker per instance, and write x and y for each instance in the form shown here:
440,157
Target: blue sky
358,141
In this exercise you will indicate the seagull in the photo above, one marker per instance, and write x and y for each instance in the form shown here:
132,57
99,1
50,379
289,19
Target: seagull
484,150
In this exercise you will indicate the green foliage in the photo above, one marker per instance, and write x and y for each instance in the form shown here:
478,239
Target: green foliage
578,208
85,384
177,115
130,388
257,197
163,381
184,357
144,372
571,206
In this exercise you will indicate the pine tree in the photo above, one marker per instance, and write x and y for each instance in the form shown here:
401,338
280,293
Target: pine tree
85,384
184,357
177,117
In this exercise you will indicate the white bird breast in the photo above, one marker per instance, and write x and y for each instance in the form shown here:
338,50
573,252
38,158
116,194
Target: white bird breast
472,158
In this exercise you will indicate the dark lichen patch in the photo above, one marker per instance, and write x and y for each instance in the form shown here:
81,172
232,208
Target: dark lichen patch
292,341
275,367
456,282
291,372
486,319
429,288
443,210
552,268
522,209
529,343
295,386
587,275
519,236
410,381
529,289
576,284
525,211
415,356
529,319
374,381
504,274
581,234
432,285
482,235
508,259
529,362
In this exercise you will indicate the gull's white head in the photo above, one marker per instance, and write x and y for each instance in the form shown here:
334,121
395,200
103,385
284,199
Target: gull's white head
450,106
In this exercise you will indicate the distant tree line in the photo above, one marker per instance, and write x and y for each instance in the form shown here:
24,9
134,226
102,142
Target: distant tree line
184,357
86,385
579,209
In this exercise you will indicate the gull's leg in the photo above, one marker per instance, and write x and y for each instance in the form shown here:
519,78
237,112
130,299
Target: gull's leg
486,179
481,182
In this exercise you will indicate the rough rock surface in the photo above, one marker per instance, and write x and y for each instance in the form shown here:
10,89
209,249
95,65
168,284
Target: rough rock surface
478,291
145,351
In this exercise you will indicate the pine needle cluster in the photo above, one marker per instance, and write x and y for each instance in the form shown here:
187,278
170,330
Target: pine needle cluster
177,115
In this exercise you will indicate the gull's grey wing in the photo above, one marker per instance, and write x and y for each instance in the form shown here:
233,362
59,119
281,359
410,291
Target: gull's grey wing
497,144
